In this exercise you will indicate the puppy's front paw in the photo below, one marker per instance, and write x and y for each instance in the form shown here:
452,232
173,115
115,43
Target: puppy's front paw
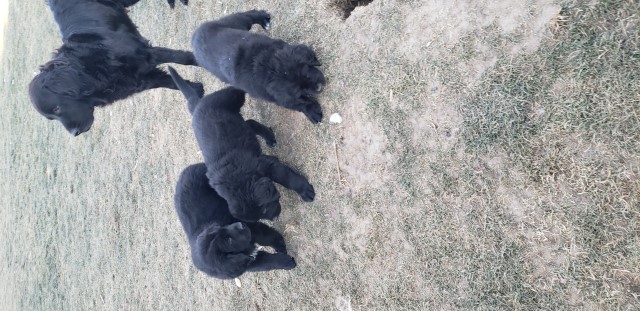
260,17
307,193
287,262
271,143
280,247
172,3
266,22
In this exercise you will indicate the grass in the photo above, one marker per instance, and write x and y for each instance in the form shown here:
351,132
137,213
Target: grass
479,167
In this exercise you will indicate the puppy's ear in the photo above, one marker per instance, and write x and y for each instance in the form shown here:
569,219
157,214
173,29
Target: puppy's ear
264,190
57,82
305,55
240,211
54,64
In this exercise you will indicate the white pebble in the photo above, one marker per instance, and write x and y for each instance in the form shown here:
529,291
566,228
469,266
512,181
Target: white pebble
237,280
335,119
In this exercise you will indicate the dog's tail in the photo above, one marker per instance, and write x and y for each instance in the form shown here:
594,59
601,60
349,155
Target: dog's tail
189,93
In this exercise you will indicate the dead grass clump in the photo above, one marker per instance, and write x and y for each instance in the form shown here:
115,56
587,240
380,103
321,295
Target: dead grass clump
345,7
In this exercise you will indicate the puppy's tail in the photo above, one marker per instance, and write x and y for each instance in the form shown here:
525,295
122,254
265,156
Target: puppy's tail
189,93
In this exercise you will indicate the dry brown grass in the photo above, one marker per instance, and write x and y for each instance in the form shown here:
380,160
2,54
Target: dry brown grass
489,159
345,7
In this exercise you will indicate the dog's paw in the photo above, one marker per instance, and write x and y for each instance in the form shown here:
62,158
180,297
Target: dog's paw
266,23
198,87
271,141
280,247
314,113
286,262
172,3
307,193
263,18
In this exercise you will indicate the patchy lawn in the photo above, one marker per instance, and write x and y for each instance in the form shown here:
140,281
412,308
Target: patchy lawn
489,158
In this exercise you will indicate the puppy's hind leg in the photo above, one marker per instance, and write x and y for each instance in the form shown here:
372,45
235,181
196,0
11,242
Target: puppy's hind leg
265,262
245,20
263,131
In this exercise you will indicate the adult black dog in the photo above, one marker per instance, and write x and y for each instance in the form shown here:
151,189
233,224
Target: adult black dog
263,67
237,169
221,245
103,59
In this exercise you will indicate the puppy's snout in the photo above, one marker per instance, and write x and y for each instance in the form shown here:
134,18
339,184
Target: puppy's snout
237,226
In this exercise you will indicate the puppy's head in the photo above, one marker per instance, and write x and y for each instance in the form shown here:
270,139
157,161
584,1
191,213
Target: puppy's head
300,63
266,197
258,199
57,94
229,250
233,238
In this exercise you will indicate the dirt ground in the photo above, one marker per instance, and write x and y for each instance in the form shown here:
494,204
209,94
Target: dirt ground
488,159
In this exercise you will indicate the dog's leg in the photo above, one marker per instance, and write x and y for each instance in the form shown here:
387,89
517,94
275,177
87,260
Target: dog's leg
244,20
127,3
163,55
272,167
265,262
172,3
263,131
267,236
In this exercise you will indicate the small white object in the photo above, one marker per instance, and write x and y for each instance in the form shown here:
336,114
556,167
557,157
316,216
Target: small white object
237,280
335,119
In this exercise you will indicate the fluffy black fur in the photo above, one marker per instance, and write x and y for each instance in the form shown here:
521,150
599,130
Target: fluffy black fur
221,245
103,59
172,3
263,67
237,169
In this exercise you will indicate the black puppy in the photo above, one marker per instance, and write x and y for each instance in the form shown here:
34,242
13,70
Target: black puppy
221,245
237,169
103,59
263,67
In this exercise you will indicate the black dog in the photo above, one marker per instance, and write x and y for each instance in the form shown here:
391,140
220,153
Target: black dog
103,59
221,245
237,169
263,67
